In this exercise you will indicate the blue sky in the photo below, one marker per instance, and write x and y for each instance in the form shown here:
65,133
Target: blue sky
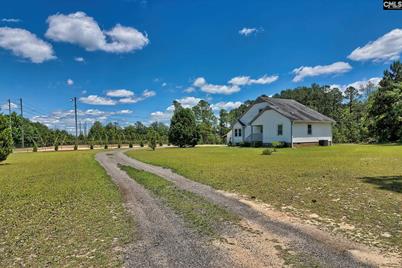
156,51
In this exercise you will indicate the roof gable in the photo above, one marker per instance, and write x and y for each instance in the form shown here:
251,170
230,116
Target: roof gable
295,111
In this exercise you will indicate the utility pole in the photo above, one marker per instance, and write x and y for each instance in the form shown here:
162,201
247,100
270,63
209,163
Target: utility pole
76,122
80,129
22,124
85,129
9,112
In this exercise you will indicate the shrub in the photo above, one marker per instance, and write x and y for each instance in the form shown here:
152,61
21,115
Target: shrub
160,143
119,145
268,151
91,146
152,137
75,147
141,143
56,147
130,145
245,144
278,144
106,146
258,144
35,148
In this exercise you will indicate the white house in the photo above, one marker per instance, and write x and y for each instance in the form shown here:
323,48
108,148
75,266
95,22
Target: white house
281,120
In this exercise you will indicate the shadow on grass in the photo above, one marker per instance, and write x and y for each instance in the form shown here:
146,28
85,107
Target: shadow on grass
390,183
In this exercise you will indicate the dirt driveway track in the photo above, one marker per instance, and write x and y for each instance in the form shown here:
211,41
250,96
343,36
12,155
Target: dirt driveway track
163,240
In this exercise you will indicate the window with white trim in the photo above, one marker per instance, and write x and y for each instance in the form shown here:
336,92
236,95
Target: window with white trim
280,130
309,130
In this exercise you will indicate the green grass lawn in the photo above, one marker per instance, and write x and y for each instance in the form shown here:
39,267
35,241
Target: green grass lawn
60,209
354,189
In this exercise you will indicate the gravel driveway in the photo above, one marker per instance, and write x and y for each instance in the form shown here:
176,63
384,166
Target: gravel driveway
163,240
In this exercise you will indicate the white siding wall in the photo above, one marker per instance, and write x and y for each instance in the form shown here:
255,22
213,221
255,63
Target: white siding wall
229,137
320,131
270,121
247,117
237,139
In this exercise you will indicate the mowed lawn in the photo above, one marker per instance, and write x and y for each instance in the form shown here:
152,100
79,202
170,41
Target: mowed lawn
352,189
60,209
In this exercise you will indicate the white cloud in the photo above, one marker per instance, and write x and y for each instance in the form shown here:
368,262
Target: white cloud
387,47
148,93
334,68
10,20
25,44
78,28
246,80
65,119
359,85
5,107
201,83
79,59
134,99
188,102
129,100
164,84
120,93
189,90
125,112
248,31
161,116
225,105
97,100
70,82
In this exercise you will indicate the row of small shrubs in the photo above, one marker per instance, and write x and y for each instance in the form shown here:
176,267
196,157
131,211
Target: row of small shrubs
91,146
257,144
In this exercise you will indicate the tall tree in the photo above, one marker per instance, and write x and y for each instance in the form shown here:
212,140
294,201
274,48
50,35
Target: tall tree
96,132
385,106
6,140
206,122
183,129
223,122
352,95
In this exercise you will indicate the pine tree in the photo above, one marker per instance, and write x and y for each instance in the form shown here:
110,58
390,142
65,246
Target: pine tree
385,106
183,129
6,140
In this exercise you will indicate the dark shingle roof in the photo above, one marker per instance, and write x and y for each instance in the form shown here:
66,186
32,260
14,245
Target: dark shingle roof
294,110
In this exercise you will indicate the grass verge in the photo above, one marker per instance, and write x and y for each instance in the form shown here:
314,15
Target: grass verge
352,189
198,212
60,209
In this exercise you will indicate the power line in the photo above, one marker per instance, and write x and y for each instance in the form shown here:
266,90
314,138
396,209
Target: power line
22,125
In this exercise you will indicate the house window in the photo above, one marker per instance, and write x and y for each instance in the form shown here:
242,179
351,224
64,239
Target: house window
236,132
239,132
309,130
280,130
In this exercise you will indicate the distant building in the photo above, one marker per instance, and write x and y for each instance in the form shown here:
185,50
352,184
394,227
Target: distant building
281,120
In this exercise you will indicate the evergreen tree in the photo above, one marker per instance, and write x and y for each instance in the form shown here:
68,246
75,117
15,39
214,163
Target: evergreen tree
6,140
152,139
183,129
385,106
223,122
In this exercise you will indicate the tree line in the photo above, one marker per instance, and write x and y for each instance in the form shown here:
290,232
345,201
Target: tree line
363,115
372,113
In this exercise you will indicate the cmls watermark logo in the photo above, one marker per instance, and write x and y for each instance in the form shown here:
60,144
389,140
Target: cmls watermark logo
392,5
